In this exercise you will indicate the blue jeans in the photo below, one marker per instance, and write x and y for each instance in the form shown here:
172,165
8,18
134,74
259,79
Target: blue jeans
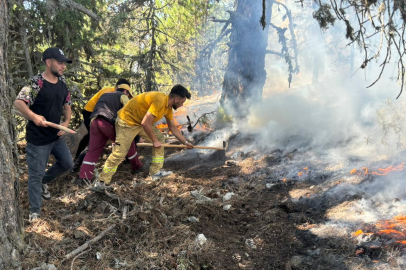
37,158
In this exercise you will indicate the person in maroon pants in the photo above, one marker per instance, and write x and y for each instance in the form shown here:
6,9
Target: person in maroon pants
102,128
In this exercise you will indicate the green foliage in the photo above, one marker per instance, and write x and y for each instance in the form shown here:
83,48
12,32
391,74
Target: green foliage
118,44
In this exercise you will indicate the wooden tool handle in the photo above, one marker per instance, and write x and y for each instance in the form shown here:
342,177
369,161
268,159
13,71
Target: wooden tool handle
50,124
179,146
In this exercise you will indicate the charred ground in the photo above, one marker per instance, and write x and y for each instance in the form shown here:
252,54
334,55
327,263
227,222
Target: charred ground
265,228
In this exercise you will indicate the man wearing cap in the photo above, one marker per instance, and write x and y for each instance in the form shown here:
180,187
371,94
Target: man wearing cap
45,99
102,129
86,113
138,117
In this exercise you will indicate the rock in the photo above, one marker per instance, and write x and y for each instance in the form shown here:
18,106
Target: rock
250,243
193,219
201,239
228,196
269,185
227,207
200,197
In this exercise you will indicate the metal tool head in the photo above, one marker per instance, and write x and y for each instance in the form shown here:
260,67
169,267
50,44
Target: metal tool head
189,124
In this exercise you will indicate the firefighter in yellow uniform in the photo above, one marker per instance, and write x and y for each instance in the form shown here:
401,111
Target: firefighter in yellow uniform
137,117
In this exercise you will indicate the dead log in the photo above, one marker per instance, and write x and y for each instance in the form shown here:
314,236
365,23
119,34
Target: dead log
90,242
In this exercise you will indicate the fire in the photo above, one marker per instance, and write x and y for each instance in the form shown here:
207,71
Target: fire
359,232
162,126
391,232
394,228
380,171
390,169
302,173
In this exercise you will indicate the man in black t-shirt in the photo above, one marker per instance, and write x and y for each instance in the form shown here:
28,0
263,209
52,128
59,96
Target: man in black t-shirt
45,99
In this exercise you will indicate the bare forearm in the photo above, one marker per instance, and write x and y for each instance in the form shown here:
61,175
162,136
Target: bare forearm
177,134
24,109
150,133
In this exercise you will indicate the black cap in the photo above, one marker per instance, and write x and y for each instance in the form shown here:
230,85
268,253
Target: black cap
55,53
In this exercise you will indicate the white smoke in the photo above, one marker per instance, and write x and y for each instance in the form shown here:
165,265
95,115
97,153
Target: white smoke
337,110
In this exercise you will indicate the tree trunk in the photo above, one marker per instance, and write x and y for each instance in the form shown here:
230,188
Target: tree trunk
24,40
245,74
150,76
11,228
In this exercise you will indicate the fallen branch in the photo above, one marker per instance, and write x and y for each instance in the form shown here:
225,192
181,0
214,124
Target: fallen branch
90,242
114,196
71,265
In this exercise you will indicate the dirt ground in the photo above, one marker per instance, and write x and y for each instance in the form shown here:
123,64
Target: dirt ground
259,227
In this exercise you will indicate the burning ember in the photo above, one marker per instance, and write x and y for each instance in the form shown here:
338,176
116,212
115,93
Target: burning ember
380,171
302,173
394,229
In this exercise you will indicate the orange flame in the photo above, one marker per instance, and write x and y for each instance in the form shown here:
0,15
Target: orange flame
380,171
390,169
359,232
165,126
392,228
300,174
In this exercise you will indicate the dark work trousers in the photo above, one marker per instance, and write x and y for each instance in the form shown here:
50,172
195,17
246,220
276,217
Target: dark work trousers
37,158
101,130
84,142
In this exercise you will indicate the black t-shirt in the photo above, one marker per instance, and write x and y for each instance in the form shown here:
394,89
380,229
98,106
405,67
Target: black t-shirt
49,103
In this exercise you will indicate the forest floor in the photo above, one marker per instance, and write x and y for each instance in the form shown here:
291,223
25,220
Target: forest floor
284,208
269,224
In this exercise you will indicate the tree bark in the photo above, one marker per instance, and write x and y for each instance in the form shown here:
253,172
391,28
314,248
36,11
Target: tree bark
24,41
245,74
150,76
11,227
